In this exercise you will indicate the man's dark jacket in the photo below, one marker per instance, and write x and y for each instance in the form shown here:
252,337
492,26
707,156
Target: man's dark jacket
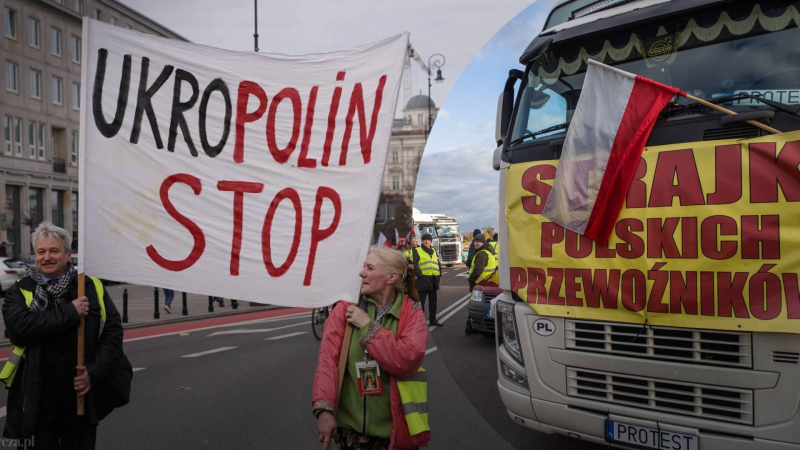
109,370
425,282
481,258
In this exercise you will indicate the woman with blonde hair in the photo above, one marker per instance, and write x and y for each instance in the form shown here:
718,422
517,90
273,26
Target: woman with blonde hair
389,336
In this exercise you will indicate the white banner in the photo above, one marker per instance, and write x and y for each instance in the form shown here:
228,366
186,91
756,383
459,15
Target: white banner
235,174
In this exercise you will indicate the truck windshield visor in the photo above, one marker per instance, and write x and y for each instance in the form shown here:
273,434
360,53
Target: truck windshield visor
739,48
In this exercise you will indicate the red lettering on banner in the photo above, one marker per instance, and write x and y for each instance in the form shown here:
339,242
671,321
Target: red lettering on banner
767,237
680,165
572,287
320,234
637,193
728,175
552,233
792,294
246,89
239,188
655,301
334,110
197,234
683,293
532,182
768,172
730,295
661,239
711,229
266,232
765,306
600,287
553,297
633,290
707,293
689,237
602,251
303,160
282,155
578,245
366,136
518,278
537,286
632,246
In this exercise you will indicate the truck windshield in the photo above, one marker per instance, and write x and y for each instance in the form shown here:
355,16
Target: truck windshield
743,47
447,231
428,229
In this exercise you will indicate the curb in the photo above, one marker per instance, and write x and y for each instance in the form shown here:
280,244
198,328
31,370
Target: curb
156,322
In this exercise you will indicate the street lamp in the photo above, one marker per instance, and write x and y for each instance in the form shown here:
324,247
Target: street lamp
435,61
255,34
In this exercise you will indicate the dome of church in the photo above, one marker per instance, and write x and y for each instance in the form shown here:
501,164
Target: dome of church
420,102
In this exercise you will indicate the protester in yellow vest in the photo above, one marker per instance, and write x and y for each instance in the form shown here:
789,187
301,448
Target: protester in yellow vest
427,269
42,312
484,265
495,247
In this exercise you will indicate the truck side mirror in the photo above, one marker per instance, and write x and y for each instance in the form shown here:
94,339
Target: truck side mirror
505,105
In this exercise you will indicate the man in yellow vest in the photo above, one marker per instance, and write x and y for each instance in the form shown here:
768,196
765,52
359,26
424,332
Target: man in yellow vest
428,270
484,265
42,312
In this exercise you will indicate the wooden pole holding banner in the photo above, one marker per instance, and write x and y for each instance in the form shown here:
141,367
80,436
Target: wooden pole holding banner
81,340
348,335
729,112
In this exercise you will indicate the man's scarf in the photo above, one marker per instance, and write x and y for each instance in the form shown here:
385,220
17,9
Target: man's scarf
55,290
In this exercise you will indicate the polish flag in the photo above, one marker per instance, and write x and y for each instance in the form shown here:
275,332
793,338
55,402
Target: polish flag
605,140
382,240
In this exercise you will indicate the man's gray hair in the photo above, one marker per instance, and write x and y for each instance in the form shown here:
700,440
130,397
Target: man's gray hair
48,230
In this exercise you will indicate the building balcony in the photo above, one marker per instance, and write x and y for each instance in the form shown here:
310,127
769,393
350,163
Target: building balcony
59,165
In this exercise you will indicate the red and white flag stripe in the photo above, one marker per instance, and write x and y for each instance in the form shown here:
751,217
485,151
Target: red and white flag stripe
611,124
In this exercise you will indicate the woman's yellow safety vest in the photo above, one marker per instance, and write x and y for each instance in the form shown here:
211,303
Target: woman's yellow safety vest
414,397
10,368
408,255
428,264
489,271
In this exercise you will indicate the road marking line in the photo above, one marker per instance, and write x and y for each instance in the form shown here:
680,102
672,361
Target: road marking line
237,324
136,369
455,303
208,352
455,310
258,330
431,350
286,336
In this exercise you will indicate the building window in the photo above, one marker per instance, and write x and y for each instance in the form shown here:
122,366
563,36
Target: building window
76,96
41,141
12,76
73,150
36,83
58,91
74,202
78,6
18,136
7,134
33,33
419,119
35,197
98,14
55,41
394,157
395,182
128,26
32,140
57,208
10,23
114,21
75,48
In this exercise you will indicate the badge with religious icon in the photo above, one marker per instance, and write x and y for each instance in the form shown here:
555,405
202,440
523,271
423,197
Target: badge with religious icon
369,378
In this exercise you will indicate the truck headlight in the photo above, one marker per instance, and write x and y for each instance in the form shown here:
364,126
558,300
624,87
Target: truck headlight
477,296
513,375
507,328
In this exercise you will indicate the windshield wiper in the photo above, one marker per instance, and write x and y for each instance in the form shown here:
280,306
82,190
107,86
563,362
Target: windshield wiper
531,134
674,110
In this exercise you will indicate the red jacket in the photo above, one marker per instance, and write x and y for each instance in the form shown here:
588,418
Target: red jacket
399,356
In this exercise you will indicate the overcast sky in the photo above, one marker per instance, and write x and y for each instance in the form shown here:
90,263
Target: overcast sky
455,28
456,176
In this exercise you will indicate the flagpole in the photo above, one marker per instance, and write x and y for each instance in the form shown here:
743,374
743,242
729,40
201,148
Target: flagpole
728,111
81,336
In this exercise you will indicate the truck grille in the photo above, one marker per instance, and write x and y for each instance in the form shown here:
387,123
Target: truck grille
720,348
449,252
697,400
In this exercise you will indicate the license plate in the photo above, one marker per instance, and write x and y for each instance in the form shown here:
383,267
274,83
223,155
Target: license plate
489,314
648,437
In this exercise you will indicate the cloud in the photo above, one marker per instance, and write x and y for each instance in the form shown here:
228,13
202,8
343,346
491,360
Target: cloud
443,114
461,183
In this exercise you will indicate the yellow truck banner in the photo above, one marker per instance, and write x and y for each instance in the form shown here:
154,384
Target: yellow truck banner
709,237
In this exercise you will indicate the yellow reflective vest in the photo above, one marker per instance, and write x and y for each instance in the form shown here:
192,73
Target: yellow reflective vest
489,273
428,264
414,397
10,368
409,256
495,246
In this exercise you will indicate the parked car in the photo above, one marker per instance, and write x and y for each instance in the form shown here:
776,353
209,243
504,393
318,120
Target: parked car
10,271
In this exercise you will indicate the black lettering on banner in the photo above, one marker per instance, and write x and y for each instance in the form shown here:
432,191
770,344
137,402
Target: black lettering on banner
664,440
620,429
216,85
110,130
144,102
179,107
642,432
631,434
